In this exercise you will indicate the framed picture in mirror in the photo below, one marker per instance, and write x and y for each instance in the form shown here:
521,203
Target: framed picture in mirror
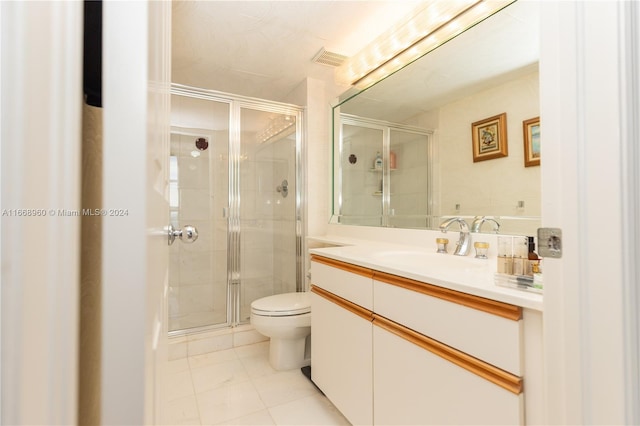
531,130
489,138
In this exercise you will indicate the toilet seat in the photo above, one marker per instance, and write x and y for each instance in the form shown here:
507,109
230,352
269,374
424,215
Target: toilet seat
282,305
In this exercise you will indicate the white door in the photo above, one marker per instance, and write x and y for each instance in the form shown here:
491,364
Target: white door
136,83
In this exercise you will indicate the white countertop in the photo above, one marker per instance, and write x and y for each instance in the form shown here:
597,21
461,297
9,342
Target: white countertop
465,274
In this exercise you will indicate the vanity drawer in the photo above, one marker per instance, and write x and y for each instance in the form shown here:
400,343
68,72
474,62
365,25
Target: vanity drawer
483,328
351,282
414,385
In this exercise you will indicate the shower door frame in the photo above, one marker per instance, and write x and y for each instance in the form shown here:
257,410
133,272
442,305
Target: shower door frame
386,127
236,104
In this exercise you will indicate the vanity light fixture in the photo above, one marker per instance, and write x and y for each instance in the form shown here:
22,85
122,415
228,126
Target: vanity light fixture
429,26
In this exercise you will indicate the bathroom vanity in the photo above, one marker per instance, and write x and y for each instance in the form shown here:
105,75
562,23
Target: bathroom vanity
413,337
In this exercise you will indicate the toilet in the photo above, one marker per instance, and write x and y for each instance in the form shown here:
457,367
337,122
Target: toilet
286,319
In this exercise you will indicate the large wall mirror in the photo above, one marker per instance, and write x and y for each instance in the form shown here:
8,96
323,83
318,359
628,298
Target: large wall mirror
403,148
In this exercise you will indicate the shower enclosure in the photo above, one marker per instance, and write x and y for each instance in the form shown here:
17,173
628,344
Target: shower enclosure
235,175
397,190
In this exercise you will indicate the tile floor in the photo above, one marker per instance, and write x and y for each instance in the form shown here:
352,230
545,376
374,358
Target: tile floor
238,387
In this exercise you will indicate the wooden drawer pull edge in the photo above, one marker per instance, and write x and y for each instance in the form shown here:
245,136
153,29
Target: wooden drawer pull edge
494,307
366,272
487,371
343,303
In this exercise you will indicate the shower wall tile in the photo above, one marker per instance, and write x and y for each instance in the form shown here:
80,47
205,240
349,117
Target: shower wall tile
195,268
196,298
174,300
219,234
193,173
258,236
257,263
174,268
220,295
194,204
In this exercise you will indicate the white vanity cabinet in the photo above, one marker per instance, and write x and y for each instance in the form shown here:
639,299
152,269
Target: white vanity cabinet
341,337
444,357
391,350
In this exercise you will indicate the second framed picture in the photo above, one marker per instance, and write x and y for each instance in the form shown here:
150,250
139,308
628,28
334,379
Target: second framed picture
489,138
531,129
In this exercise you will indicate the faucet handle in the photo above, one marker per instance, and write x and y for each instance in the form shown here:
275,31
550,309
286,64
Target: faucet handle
480,220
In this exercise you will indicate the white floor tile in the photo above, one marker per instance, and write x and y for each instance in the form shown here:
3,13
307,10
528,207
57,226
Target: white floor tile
215,375
177,366
179,385
230,401
212,358
257,367
256,419
239,387
311,410
182,411
283,387
257,349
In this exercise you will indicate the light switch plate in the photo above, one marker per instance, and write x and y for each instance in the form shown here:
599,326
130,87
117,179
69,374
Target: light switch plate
550,242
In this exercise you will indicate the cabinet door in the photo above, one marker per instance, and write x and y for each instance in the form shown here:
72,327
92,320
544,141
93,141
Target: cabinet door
415,386
341,358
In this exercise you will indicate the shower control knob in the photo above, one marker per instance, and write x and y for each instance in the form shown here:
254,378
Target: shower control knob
188,234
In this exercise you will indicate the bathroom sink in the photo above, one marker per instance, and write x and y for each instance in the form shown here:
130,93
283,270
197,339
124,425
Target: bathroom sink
424,259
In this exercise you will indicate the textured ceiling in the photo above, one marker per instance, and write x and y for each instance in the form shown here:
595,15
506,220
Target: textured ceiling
264,49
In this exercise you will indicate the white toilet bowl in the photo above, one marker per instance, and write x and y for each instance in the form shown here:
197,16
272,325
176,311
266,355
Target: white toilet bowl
286,319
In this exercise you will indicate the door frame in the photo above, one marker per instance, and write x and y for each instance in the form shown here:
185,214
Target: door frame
590,97
41,74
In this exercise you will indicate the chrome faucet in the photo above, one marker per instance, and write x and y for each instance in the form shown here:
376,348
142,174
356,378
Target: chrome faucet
479,221
464,243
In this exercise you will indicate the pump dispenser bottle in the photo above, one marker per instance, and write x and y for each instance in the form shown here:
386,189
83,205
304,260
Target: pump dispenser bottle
532,257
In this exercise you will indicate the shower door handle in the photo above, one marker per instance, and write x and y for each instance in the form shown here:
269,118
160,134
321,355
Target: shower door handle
187,234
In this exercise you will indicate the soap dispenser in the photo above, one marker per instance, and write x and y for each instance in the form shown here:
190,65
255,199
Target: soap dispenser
377,164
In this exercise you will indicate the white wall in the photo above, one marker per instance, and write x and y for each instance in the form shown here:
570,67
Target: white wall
490,187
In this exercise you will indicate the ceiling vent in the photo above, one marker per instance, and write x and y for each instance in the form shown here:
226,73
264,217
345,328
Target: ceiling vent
331,59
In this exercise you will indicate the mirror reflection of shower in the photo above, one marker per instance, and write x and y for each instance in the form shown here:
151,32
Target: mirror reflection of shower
232,164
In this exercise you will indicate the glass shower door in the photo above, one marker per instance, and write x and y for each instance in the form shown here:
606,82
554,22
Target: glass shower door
410,185
267,194
362,176
199,196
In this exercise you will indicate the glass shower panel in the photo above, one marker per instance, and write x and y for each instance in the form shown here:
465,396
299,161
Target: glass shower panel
409,166
362,175
199,196
267,206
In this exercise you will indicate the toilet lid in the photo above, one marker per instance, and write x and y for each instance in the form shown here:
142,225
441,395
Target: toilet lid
282,305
